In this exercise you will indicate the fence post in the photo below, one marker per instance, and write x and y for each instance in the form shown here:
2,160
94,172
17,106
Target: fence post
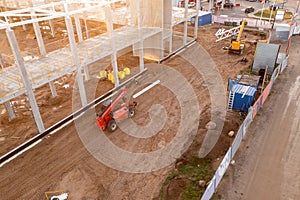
260,101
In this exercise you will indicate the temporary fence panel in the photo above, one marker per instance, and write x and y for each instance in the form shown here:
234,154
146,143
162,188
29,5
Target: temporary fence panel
266,92
223,166
256,106
275,73
248,118
210,190
236,143
284,63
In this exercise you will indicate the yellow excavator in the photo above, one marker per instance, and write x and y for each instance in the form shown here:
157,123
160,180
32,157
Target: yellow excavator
236,46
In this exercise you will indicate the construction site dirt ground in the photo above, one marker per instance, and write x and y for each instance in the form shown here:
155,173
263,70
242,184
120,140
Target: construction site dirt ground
61,161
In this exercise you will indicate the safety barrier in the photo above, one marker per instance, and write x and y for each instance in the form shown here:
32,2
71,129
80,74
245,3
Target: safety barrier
211,188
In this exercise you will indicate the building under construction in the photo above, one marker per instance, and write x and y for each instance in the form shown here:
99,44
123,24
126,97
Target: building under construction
145,26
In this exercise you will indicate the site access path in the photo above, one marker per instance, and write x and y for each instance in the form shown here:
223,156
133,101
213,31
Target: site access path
267,165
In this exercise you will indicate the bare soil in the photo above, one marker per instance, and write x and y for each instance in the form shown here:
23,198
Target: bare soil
61,162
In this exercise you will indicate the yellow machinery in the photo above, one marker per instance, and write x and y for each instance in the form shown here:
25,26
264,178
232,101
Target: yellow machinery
236,45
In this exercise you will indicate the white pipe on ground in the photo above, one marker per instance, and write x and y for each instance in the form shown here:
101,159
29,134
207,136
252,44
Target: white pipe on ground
146,89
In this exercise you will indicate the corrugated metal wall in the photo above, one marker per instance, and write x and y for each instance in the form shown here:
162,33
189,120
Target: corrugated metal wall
204,18
265,54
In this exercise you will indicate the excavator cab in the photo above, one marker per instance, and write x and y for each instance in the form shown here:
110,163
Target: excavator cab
233,38
235,45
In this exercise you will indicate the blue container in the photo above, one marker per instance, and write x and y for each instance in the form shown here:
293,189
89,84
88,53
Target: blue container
204,19
243,97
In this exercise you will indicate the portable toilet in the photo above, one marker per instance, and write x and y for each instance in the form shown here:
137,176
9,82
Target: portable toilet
242,97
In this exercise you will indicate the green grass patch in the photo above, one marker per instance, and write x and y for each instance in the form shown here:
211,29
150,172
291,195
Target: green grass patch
193,171
266,14
196,170
192,192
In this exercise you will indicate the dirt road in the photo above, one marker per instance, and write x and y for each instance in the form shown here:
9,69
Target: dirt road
267,166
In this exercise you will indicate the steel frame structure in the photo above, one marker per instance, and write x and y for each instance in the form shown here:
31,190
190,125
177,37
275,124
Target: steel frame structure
222,34
23,77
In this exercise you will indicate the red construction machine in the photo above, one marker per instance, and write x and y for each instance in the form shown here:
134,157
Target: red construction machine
115,110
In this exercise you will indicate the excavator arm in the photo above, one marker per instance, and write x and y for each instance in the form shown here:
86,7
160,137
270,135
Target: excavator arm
241,31
236,45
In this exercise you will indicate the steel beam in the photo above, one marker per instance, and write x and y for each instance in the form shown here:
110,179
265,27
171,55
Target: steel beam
20,63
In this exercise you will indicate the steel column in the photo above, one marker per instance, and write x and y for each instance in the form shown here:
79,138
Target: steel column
21,18
185,22
110,31
38,35
73,47
80,39
85,23
52,88
10,110
42,48
78,28
51,23
141,45
18,57
171,41
197,19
